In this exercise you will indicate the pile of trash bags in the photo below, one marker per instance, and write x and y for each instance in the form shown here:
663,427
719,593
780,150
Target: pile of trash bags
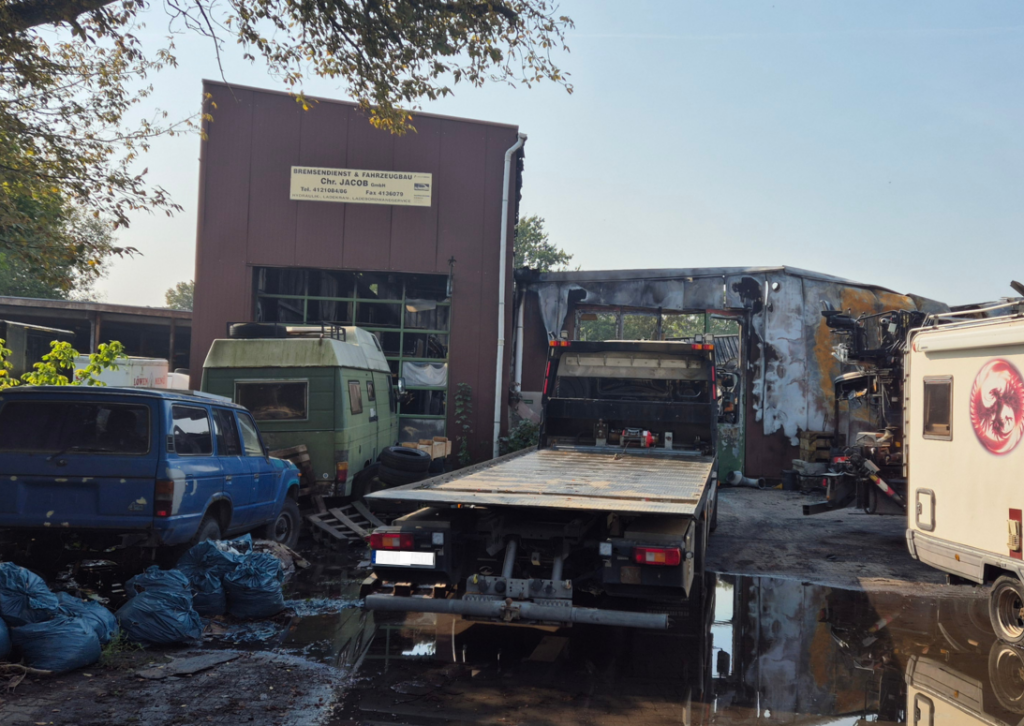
229,577
57,633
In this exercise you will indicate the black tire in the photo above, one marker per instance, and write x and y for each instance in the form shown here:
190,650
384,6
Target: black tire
285,527
396,477
402,458
248,331
1005,669
209,528
1006,609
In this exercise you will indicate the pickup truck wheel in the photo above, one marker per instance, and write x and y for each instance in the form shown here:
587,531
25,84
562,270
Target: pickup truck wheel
209,528
1006,609
285,529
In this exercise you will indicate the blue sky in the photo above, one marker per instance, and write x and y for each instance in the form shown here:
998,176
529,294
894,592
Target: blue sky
879,141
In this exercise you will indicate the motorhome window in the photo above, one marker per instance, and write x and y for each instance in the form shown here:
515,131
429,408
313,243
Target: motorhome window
228,443
371,394
274,400
250,436
71,427
190,427
938,398
355,397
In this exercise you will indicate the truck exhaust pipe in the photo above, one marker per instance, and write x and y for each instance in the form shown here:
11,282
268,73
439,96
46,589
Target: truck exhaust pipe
516,611
736,479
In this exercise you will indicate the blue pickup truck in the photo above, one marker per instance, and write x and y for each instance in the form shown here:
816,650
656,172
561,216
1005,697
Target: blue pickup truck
148,467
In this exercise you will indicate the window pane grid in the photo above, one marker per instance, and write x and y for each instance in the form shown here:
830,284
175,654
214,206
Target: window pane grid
422,306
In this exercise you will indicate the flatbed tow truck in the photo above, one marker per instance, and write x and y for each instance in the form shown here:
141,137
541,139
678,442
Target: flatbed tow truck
605,522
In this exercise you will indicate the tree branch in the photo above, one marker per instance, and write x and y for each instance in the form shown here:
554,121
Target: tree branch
21,16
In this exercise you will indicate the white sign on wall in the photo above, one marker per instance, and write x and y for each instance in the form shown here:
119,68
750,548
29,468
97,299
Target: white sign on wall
361,186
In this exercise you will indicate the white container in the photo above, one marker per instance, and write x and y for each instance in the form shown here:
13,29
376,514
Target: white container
133,372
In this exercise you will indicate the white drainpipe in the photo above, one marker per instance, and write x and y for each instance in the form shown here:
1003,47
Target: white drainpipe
499,397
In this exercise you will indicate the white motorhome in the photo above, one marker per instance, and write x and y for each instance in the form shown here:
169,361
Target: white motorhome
964,426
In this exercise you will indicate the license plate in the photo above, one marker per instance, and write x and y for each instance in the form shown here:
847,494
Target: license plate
393,558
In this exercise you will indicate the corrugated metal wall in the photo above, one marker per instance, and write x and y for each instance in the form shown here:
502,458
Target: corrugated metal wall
246,218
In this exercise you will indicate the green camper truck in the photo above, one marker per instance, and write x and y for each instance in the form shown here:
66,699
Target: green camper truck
328,388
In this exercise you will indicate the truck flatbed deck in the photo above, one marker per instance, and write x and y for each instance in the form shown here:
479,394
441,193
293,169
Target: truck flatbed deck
648,481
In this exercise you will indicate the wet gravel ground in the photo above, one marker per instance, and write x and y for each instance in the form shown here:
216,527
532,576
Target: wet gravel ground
765,533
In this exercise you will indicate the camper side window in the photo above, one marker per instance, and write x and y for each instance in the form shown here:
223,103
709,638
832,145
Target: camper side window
938,408
355,397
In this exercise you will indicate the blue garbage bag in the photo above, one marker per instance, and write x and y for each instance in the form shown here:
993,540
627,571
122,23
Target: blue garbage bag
95,615
160,617
5,641
254,587
154,579
59,645
24,597
204,565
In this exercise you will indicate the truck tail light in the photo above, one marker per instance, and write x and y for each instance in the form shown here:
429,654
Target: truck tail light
341,472
547,376
669,556
387,541
163,497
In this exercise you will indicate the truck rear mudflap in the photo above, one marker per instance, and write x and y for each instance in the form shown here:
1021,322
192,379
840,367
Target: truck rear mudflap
518,611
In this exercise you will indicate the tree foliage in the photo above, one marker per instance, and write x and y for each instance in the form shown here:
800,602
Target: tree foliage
57,368
75,89
532,248
80,248
179,297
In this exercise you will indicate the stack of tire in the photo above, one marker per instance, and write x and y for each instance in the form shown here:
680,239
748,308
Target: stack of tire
401,465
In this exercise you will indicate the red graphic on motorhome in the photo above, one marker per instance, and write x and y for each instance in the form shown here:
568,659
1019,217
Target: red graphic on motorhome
997,406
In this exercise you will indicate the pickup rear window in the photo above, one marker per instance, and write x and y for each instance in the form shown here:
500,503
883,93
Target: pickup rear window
632,389
74,427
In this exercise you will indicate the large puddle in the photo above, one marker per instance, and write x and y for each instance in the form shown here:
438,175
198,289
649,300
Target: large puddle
760,650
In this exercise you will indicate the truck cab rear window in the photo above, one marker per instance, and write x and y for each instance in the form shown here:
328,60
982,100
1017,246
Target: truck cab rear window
275,400
74,427
938,408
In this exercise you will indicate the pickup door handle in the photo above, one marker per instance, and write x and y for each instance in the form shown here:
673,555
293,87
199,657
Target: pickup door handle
256,477
227,478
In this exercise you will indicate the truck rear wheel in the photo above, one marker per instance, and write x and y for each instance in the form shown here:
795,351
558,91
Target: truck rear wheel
1006,609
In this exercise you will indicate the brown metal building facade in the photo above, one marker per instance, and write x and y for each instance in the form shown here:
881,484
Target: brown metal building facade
424,278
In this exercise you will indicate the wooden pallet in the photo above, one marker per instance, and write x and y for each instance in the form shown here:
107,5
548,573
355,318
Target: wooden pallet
350,523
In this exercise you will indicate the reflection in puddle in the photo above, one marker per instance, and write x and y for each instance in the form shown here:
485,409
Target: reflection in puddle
761,650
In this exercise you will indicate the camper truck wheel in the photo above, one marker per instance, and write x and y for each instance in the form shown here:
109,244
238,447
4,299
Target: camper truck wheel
1005,666
1006,609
